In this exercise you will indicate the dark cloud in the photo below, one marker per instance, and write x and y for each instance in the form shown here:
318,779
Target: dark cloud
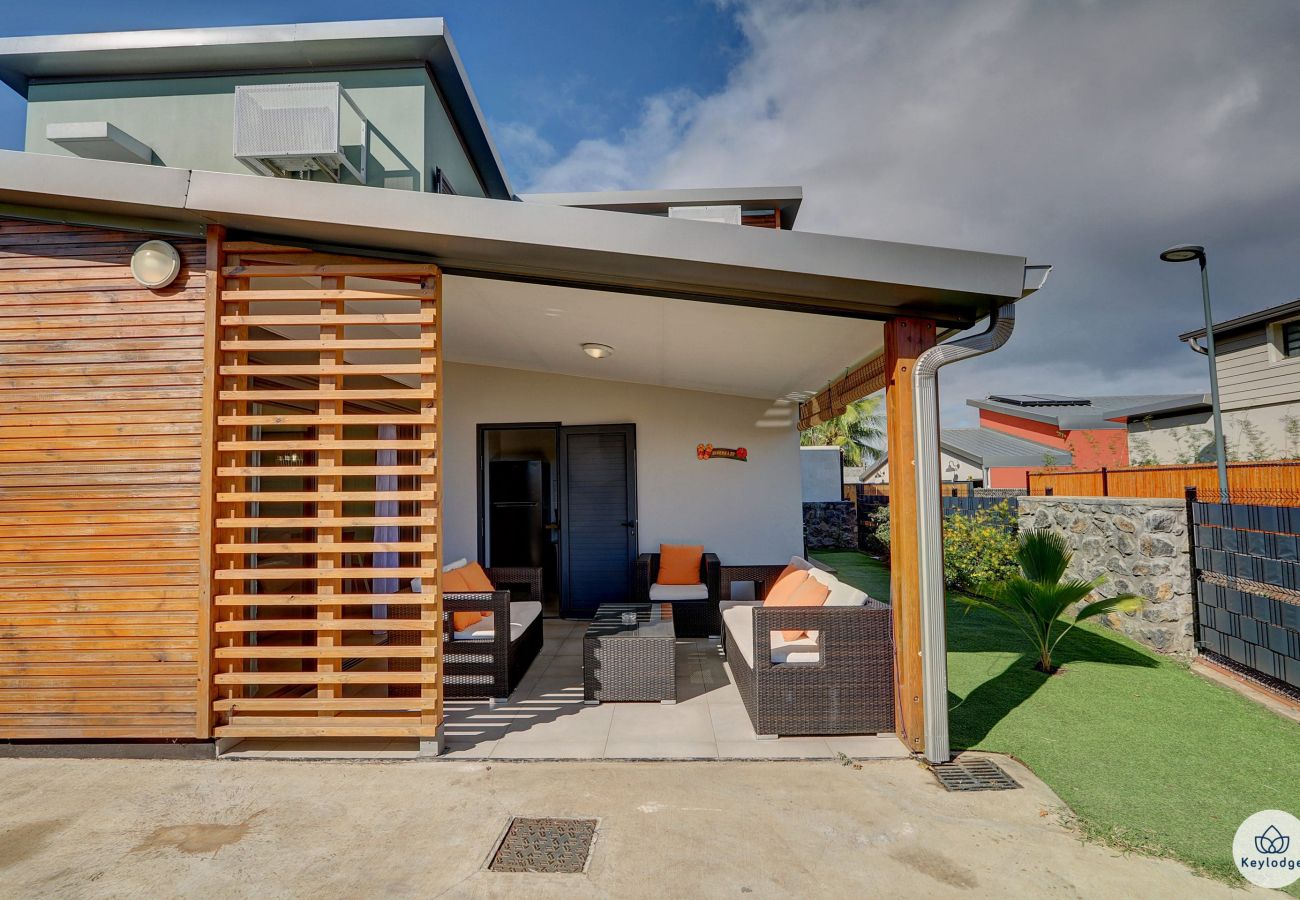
1085,134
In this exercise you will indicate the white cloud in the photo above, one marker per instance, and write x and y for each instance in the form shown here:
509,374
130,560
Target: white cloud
1085,134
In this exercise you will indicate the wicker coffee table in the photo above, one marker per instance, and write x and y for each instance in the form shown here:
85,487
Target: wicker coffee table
630,662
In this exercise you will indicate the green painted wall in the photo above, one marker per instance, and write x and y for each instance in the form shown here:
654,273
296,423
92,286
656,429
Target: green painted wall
189,122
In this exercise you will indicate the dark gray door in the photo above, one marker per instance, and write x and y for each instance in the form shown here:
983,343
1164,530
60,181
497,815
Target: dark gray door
597,516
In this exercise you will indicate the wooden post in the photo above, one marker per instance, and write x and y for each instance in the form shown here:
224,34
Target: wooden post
905,340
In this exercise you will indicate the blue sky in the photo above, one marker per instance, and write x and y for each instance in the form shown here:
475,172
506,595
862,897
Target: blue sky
565,69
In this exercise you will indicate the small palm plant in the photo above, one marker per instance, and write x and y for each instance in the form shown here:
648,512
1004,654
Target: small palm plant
1035,600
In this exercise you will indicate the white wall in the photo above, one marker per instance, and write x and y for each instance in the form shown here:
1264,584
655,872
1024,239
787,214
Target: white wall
953,468
1174,439
820,474
746,512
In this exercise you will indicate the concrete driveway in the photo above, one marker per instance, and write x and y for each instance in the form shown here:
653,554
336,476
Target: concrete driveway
128,828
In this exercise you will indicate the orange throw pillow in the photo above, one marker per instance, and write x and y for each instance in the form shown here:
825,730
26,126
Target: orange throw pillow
810,593
679,564
470,579
784,589
476,580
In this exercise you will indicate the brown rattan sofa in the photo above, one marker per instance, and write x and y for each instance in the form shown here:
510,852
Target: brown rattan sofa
492,666
848,689
691,617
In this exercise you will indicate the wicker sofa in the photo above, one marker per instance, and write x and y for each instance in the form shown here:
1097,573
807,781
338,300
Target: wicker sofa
837,680
695,607
487,661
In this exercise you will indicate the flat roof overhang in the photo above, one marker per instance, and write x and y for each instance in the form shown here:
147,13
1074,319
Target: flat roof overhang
533,242
785,199
176,52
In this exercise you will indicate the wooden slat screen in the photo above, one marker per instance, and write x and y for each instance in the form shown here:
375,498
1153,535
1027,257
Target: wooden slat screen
1275,482
327,496
100,447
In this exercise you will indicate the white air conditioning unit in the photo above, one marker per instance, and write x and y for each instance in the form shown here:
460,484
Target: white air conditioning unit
282,129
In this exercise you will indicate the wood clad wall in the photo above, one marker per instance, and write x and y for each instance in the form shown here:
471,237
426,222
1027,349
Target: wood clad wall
327,496
100,446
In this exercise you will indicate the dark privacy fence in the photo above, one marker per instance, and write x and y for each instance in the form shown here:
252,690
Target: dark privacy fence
868,501
1246,585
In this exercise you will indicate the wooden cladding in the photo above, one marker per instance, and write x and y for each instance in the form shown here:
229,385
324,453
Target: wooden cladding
101,386
327,616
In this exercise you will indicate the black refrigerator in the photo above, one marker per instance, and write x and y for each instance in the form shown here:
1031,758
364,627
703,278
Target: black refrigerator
519,500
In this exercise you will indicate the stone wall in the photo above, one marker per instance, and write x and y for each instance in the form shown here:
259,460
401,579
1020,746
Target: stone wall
1140,545
1000,492
830,526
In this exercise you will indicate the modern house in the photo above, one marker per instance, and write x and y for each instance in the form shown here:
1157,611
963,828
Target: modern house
1257,358
981,456
277,338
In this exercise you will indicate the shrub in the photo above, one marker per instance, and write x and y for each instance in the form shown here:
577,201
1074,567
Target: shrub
1037,594
980,547
880,534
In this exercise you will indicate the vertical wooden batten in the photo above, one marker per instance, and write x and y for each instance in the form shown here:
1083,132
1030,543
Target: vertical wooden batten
905,340
215,260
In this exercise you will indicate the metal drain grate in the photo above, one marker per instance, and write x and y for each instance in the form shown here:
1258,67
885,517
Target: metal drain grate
973,775
544,845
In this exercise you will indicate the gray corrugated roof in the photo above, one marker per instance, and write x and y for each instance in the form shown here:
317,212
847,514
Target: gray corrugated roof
1176,403
1250,320
986,447
1097,414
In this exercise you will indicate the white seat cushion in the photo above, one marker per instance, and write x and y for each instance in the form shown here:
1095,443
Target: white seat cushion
731,604
739,622
666,593
522,615
841,594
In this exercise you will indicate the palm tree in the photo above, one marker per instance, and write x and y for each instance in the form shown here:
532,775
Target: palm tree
1035,600
858,432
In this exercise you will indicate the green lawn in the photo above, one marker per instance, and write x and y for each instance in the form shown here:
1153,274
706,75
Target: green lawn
1147,755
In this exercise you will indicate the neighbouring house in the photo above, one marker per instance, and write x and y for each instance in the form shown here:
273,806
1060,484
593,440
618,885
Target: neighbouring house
1257,357
973,455
279,342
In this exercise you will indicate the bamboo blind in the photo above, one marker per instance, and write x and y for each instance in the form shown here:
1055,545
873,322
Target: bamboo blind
326,506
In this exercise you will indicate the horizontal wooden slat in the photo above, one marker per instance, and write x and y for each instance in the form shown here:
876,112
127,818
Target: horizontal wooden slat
375,418
310,496
333,319
369,270
396,393
362,651
316,703
326,678
322,296
323,444
282,728
429,518
428,598
319,345
318,573
329,625
310,471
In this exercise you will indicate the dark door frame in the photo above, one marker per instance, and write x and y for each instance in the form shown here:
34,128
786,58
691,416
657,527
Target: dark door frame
628,429
480,430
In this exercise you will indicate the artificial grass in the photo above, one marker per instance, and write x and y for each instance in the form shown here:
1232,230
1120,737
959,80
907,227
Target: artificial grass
1148,756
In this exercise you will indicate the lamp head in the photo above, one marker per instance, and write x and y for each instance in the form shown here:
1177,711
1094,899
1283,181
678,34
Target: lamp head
1184,253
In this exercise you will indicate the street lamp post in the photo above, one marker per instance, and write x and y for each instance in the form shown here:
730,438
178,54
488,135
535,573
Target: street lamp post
1187,253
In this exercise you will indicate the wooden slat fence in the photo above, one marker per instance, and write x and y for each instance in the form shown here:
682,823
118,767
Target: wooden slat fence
101,385
1263,482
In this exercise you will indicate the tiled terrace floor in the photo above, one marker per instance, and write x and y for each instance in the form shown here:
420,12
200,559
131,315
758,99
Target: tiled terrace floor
546,719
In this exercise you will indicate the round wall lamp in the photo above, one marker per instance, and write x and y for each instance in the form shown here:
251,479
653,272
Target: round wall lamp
597,351
155,264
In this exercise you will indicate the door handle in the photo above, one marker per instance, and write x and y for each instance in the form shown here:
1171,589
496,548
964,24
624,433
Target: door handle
629,524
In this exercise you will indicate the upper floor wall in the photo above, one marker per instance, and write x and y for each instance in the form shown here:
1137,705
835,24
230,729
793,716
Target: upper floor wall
1255,370
188,122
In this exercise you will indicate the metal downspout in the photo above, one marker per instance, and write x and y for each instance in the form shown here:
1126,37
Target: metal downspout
929,520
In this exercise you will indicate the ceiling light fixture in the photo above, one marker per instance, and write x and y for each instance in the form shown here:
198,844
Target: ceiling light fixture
597,351
155,264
